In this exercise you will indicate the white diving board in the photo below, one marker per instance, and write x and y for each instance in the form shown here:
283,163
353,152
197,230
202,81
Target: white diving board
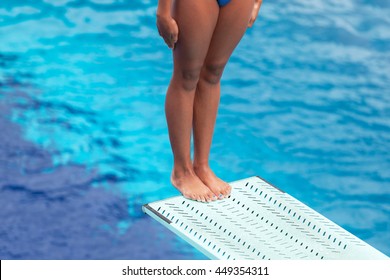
258,221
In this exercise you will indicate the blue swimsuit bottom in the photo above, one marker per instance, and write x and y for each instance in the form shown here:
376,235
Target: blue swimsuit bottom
223,2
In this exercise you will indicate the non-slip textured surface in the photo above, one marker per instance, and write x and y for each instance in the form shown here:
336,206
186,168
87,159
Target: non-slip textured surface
258,221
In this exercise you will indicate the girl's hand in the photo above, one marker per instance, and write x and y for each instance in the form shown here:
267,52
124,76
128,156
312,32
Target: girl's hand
168,29
255,12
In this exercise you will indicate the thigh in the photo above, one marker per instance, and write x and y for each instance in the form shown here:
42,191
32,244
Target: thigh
231,25
196,20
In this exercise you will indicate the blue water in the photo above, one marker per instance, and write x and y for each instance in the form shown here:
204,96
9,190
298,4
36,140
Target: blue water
84,144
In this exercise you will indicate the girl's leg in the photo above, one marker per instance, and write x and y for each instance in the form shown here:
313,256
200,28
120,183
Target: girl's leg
196,21
231,25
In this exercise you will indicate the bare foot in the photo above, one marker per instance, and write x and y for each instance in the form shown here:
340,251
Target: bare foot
219,187
191,186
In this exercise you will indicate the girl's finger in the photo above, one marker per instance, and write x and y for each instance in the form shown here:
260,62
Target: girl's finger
172,40
251,21
171,44
167,41
175,37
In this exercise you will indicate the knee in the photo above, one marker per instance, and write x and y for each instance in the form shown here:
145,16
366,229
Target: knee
188,77
212,72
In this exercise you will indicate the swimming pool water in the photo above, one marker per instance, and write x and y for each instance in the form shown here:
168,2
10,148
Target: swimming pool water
305,104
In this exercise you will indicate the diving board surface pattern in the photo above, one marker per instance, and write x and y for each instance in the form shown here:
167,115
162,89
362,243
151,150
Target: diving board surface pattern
258,221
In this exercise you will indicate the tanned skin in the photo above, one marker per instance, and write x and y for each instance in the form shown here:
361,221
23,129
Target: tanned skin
202,37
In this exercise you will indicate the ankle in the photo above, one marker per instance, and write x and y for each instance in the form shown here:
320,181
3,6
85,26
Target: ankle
181,171
201,166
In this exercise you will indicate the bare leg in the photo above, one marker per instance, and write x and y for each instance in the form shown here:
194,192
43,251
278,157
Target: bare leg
231,25
196,21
